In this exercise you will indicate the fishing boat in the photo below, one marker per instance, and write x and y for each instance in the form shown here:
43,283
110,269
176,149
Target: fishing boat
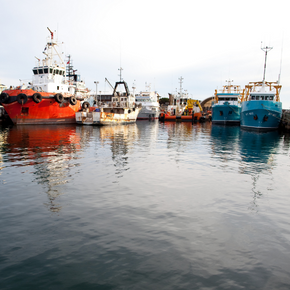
227,107
122,109
261,106
53,96
150,105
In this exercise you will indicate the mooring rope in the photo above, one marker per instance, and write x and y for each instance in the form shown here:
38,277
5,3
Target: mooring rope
270,112
232,109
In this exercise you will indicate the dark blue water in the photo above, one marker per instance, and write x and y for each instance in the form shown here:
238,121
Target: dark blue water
144,206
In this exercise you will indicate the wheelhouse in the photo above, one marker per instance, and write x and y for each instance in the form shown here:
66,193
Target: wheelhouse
48,70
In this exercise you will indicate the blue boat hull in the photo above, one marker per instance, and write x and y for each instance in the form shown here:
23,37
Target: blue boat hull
261,115
226,114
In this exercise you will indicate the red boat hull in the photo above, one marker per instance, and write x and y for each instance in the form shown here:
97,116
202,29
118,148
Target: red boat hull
48,111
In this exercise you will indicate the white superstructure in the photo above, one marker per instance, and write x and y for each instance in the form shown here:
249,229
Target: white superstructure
150,105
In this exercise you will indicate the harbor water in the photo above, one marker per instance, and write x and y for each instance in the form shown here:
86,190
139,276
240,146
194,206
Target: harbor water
149,205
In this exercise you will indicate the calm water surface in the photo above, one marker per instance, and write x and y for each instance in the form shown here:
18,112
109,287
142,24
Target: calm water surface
144,206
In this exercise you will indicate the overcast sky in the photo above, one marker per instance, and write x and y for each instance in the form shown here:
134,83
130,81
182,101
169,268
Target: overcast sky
154,41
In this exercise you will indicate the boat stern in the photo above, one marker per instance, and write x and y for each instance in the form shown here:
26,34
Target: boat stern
88,118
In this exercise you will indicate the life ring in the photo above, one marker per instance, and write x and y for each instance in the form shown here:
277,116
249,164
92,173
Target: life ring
37,97
85,105
59,98
3,97
22,99
255,117
73,100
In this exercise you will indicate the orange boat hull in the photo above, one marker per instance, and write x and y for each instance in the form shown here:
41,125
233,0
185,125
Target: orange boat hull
48,111
182,118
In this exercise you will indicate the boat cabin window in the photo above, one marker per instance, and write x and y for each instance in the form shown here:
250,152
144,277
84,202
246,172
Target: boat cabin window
228,99
44,70
271,98
50,70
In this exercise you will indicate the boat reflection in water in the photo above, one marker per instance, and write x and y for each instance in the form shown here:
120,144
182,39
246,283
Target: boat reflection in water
119,138
247,153
224,146
50,149
185,130
258,150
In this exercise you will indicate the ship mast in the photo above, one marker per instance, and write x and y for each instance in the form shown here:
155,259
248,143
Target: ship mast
180,81
265,49
178,99
120,69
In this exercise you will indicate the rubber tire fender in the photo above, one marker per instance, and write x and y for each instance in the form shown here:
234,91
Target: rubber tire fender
85,105
3,97
37,98
59,98
22,99
73,100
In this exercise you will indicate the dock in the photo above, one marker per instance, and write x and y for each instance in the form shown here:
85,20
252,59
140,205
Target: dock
285,121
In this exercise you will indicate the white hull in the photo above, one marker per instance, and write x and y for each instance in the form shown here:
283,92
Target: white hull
148,114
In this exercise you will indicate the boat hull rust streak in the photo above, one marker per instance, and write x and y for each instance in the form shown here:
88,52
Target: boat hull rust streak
106,118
